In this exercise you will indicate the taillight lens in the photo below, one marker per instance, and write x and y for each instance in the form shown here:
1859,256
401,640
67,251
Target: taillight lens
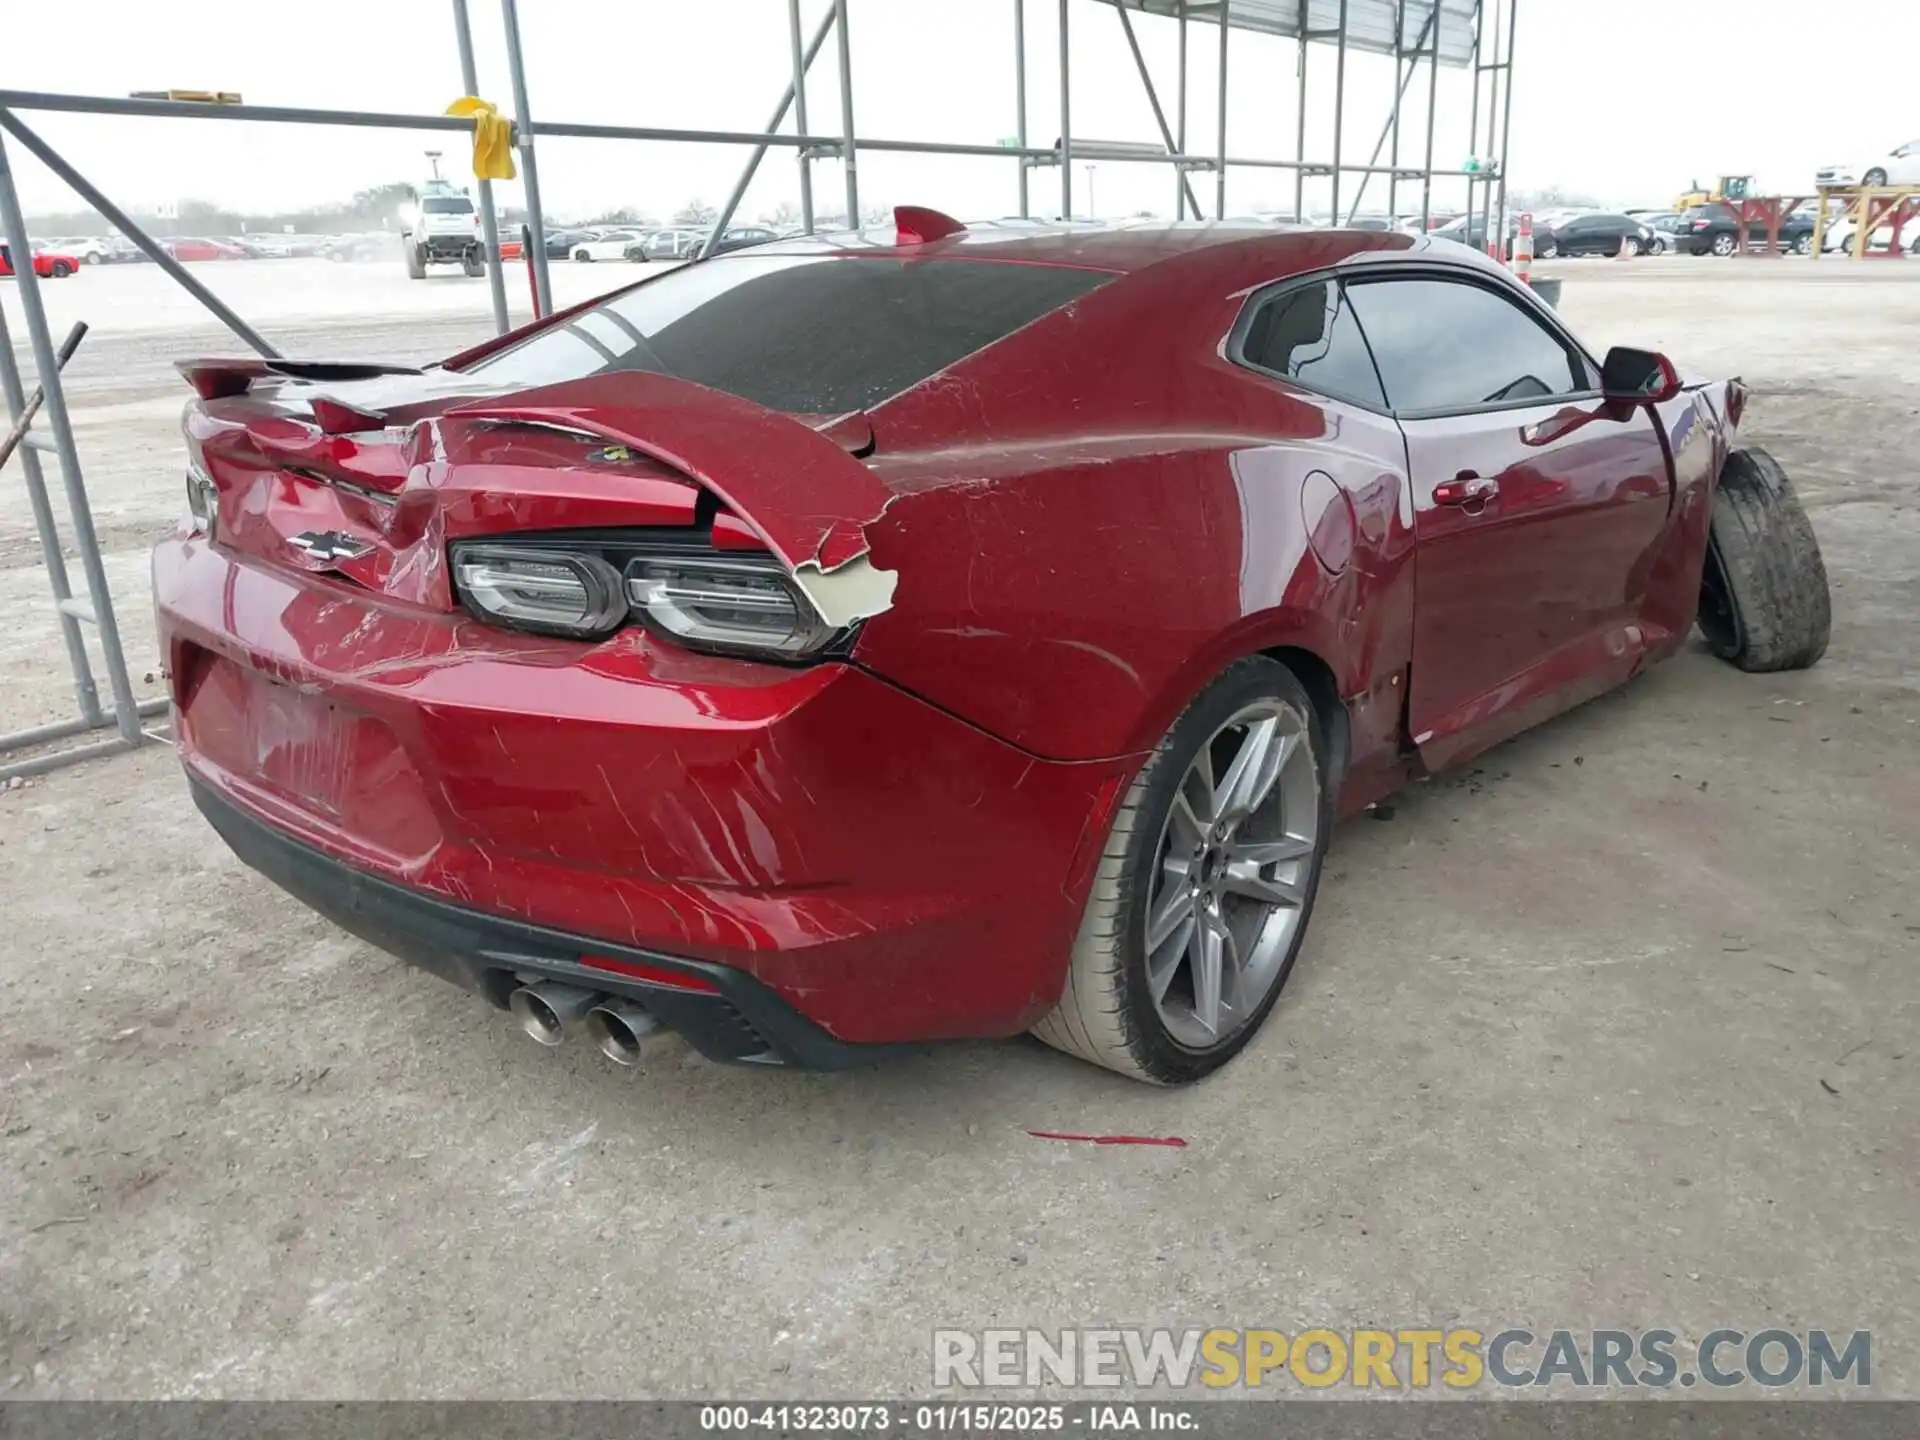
587,587
549,592
738,605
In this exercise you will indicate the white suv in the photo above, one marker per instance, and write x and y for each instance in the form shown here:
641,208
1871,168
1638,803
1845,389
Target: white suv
445,229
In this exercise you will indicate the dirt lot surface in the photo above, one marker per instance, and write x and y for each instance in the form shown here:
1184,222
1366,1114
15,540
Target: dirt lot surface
1617,1028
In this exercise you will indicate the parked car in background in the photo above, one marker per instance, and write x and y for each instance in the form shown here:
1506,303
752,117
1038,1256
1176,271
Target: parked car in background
47,264
606,245
194,248
1840,235
87,249
1472,230
820,739
1899,166
1600,233
1714,229
675,243
1666,226
560,243
444,229
376,246
742,237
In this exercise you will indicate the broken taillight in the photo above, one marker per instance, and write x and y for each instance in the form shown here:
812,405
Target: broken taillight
587,586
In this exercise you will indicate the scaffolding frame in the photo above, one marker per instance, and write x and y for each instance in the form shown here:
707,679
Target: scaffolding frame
1412,32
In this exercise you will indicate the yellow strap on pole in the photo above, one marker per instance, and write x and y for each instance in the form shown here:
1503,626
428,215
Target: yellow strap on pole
492,138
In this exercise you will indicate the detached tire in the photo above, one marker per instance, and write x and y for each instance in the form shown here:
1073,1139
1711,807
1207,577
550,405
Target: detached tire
1763,595
1200,901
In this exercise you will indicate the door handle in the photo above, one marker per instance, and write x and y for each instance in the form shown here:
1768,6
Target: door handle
1466,488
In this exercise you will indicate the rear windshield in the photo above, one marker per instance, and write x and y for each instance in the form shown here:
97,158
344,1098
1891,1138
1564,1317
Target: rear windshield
809,334
446,205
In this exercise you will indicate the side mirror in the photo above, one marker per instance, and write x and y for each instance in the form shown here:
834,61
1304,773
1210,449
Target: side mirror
1640,375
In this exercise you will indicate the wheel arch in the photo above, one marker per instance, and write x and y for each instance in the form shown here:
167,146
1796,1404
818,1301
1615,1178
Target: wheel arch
1316,677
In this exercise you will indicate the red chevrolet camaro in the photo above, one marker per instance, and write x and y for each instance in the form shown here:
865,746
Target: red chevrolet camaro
855,642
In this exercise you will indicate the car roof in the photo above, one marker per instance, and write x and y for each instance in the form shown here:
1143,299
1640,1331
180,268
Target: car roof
1131,246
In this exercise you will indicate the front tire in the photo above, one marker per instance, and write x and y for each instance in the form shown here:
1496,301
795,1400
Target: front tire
1764,603
94,258
61,269
583,257
1803,245
1200,901
1875,176
1632,243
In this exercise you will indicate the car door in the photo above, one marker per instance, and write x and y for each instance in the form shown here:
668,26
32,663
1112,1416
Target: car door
1537,507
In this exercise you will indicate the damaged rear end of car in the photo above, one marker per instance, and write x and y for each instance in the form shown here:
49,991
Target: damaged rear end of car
538,670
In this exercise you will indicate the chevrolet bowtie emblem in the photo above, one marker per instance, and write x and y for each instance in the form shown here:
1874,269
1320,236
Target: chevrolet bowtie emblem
328,545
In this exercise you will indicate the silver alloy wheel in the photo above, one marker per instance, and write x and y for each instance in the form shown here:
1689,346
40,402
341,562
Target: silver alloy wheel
1230,873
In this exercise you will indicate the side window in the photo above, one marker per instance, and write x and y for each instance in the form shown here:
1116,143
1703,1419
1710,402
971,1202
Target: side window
1308,334
1449,345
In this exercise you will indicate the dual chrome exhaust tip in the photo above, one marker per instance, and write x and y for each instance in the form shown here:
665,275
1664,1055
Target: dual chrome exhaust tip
548,1010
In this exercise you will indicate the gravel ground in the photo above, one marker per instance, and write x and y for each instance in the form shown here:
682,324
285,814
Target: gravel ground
1614,1029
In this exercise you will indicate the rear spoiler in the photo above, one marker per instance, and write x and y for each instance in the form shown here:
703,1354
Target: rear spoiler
217,379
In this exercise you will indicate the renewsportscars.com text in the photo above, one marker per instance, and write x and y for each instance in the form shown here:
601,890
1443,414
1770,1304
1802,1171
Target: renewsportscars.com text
1414,1359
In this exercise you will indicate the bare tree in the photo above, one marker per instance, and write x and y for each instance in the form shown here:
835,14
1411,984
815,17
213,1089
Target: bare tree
782,215
695,212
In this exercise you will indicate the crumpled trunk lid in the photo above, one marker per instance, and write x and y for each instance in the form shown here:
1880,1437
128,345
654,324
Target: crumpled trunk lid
370,472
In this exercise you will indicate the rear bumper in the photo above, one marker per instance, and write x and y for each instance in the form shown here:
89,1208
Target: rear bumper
448,247
740,1020
889,872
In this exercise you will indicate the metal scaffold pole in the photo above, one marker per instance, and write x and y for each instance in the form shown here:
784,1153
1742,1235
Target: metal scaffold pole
1220,177
849,160
792,93
80,512
799,93
1339,106
1020,95
1066,123
529,169
85,692
489,217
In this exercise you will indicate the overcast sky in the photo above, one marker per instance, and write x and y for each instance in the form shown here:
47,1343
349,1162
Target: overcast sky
1628,99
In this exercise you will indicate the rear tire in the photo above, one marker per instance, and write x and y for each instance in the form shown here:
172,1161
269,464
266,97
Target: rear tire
94,258
1764,603
61,269
1633,244
1725,245
1803,245
1875,176
416,263
473,264
1108,1012
583,257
